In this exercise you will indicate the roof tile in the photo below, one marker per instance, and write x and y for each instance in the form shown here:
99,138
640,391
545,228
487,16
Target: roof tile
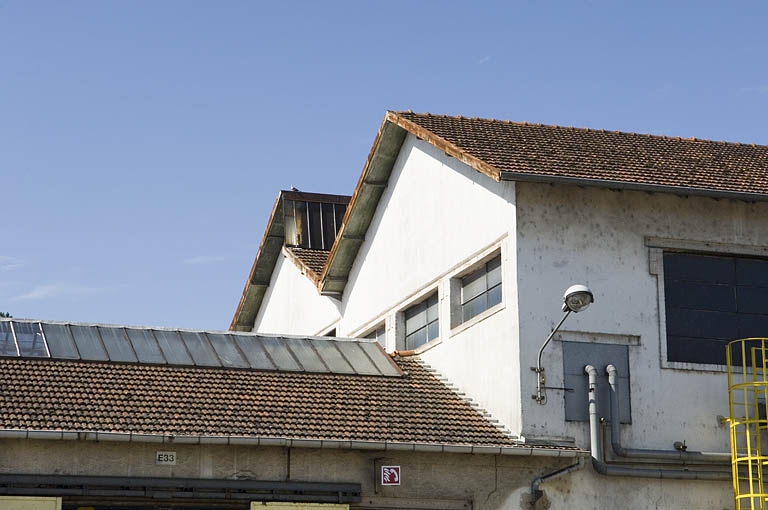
45,394
580,153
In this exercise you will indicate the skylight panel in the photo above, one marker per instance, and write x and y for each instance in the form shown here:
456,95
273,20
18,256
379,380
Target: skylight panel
60,341
227,350
30,339
200,349
379,358
117,344
332,357
145,345
7,341
254,352
306,355
279,353
355,354
88,343
173,347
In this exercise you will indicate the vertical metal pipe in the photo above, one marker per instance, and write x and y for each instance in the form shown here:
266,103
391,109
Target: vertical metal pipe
594,418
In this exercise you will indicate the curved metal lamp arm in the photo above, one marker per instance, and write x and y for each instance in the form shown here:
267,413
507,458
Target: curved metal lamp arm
541,396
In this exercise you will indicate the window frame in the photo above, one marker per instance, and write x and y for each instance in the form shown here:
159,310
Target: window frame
478,273
425,302
373,334
458,323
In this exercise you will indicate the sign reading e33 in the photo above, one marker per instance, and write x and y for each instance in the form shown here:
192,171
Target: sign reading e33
165,458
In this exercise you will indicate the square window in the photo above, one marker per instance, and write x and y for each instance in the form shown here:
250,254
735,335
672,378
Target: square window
481,289
710,300
421,323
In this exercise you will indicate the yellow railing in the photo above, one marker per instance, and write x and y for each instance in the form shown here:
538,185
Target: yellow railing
747,363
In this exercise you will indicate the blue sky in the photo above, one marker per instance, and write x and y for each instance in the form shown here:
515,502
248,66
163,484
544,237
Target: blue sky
142,144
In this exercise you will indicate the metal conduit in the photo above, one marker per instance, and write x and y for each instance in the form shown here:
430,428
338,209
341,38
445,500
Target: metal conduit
721,459
612,470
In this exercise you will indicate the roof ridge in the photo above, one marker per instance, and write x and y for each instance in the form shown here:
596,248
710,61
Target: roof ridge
585,129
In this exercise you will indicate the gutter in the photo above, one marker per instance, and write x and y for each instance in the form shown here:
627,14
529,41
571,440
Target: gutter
635,186
524,451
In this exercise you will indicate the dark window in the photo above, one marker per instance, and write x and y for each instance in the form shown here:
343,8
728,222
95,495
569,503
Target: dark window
711,300
380,335
481,290
421,323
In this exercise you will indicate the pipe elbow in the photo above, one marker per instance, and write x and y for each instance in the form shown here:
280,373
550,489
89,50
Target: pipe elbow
611,371
590,370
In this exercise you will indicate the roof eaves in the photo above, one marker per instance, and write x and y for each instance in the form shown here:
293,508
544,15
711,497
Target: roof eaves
635,186
261,270
370,187
521,450
362,206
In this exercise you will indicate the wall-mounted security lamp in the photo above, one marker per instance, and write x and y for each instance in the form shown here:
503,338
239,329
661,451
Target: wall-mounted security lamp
575,299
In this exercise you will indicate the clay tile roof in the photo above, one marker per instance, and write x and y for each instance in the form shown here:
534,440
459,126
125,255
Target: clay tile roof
46,394
312,260
587,154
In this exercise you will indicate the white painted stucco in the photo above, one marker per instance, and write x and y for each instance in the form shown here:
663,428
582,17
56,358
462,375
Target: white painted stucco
598,237
292,304
436,216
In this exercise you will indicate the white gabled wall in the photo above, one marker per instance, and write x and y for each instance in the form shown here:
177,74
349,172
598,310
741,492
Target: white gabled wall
292,304
436,216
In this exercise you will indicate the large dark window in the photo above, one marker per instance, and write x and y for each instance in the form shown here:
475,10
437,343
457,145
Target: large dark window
711,300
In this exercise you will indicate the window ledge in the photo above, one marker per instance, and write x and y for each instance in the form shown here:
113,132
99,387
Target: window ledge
427,346
696,367
478,318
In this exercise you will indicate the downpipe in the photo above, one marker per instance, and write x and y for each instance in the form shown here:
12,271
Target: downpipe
693,457
536,493
613,470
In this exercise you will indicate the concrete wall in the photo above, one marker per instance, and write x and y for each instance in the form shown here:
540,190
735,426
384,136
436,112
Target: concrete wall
436,480
436,218
568,234
429,480
292,305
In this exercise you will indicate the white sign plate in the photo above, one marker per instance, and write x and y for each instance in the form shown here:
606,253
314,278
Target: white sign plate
165,458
